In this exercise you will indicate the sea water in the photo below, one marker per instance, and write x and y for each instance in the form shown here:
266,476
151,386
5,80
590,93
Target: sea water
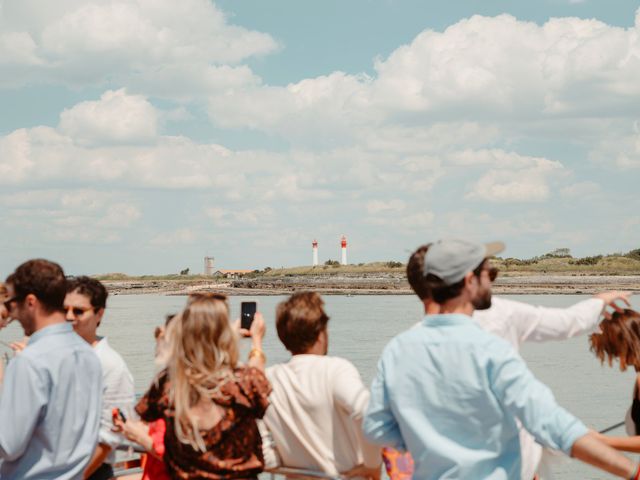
360,327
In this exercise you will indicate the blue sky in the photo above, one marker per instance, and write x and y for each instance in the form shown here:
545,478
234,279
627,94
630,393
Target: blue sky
140,136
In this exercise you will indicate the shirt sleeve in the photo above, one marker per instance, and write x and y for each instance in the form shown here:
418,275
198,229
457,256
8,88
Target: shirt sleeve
152,404
380,426
24,396
157,430
352,396
118,392
540,324
529,400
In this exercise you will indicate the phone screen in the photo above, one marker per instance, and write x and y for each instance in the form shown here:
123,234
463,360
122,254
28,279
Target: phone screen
247,312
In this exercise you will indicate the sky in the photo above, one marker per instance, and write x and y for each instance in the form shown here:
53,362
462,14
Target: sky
139,136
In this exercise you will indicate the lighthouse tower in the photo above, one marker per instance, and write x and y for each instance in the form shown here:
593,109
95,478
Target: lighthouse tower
343,244
315,253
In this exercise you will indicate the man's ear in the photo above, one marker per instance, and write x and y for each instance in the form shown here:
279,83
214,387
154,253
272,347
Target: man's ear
99,314
469,278
30,300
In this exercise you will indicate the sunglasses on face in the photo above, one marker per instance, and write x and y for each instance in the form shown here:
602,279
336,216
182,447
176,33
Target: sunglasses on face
77,311
7,303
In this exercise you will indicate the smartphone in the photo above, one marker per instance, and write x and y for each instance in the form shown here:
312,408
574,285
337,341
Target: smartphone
116,412
247,312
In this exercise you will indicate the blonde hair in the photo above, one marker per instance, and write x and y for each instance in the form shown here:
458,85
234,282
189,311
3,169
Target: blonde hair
619,338
204,354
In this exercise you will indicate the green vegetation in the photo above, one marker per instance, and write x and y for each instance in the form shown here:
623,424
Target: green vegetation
551,263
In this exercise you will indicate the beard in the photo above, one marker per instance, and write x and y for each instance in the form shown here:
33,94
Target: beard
483,300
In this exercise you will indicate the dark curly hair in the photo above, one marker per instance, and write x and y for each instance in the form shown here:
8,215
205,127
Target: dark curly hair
91,288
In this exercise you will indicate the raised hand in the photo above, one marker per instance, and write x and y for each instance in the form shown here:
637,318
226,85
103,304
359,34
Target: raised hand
612,299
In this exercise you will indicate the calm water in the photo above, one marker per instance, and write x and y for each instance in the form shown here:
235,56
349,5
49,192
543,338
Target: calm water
359,328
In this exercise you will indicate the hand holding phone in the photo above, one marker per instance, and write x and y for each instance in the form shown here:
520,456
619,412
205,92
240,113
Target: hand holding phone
116,414
247,314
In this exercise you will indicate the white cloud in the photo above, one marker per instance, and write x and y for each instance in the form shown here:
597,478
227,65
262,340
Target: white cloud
76,215
83,42
512,177
117,118
498,78
621,146
243,217
178,237
581,189
385,206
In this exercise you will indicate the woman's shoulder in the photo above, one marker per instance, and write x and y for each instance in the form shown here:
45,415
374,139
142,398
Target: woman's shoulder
249,386
251,377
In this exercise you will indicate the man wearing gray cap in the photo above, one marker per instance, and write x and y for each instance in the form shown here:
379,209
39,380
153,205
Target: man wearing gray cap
450,392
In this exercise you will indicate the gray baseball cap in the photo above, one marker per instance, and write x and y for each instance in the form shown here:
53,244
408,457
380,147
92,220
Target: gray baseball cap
450,260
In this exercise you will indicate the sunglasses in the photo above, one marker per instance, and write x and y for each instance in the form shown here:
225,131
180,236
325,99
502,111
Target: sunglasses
7,303
77,311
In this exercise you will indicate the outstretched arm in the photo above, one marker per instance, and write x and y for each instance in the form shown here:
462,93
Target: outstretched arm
591,450
533,404
626,444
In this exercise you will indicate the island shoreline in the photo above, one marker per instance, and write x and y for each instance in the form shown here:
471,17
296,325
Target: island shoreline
573,284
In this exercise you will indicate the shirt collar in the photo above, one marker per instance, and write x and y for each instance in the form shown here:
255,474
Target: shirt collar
50,330
447,319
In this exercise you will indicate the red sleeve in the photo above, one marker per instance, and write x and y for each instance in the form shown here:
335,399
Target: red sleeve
156,432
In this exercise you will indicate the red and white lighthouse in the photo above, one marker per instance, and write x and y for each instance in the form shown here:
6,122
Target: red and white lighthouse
315,253
343,244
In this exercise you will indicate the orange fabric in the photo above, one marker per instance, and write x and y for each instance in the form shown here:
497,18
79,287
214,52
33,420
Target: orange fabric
399,465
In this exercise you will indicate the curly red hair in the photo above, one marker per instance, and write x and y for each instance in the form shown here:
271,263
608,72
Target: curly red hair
619,338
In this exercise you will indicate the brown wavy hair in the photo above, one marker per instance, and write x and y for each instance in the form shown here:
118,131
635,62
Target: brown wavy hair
299,321
204,354
619,339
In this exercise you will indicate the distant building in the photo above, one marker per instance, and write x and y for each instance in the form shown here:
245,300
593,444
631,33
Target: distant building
231,273
208,266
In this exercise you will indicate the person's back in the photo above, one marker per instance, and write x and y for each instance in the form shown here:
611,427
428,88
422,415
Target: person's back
450,392
317,405
456,405
317,402
66,429
50,401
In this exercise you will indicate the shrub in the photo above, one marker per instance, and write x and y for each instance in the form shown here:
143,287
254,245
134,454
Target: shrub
393,264
635,254
586,260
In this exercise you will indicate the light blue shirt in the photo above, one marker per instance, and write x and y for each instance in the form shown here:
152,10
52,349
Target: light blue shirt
449,392
50,407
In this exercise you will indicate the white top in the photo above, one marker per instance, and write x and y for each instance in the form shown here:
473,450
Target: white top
315,417
519,322
118,391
